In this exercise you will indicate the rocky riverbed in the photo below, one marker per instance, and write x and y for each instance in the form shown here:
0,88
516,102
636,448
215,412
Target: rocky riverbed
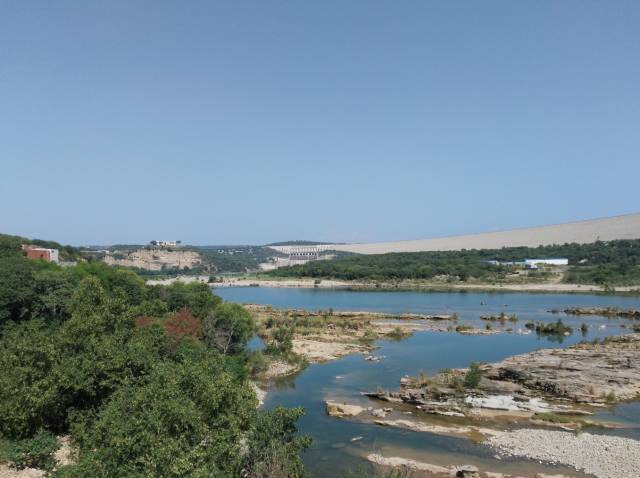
602,372
433,470
599,455
324,335
545,389
587,373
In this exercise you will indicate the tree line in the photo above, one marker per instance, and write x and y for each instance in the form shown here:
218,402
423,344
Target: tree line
612,262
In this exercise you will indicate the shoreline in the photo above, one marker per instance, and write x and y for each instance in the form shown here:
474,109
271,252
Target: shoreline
549,288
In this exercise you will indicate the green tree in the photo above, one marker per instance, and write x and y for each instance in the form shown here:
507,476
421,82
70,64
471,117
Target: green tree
188,419
17,289
114,279
281,340
29,393
101,349
54,292
196,297
229,328
274,445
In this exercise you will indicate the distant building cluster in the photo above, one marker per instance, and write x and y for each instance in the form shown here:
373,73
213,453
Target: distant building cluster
546,262
165,243
34,252
532,263
303,249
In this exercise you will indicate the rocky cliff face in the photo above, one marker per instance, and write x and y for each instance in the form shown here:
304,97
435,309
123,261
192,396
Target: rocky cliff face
155,259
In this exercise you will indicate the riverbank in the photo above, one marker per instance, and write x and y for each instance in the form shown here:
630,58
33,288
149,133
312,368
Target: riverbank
550,287
513,406
599,455
430,470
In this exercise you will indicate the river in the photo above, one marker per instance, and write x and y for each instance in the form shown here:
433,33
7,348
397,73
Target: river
333,450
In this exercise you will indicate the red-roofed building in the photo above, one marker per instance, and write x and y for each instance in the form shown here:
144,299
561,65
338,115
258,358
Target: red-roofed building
34,252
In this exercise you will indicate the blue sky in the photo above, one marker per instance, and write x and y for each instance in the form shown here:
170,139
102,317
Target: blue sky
361,120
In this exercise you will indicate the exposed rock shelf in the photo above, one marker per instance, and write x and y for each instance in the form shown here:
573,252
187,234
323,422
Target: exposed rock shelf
600,372
604,312
557,388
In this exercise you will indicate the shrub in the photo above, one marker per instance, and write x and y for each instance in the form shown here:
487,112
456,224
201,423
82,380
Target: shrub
422,379
473,376
160,427
553,328
463,328
257,363
182,325
281,340
397,334
143,321
551,417
29,395
458,384
34,452
228,328
274,445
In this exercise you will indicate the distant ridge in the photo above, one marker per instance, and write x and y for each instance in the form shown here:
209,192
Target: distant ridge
582,232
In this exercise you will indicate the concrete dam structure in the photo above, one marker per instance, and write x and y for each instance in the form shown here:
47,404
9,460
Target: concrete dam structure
581,232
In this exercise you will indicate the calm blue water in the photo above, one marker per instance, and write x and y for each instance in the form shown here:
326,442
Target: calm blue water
333,451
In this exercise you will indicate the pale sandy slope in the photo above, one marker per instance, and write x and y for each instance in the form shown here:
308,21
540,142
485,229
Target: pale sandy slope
583,232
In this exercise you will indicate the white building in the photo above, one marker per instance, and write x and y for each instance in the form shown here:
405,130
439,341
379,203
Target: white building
165,243
547,262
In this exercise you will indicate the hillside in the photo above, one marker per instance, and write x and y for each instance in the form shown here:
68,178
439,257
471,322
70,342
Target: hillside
67,253
191,259
581,232
611,263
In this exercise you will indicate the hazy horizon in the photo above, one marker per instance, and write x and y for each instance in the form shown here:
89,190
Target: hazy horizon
254,123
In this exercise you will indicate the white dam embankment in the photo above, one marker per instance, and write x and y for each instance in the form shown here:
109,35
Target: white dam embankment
581,232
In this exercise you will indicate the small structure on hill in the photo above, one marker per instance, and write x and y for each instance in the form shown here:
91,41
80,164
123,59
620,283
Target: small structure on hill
158,243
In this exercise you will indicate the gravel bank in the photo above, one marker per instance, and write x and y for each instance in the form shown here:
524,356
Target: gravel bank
602,456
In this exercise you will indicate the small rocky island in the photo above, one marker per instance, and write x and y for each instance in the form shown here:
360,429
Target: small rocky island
603,312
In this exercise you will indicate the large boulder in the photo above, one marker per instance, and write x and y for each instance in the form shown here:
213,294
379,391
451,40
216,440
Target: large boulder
467,471
337,409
